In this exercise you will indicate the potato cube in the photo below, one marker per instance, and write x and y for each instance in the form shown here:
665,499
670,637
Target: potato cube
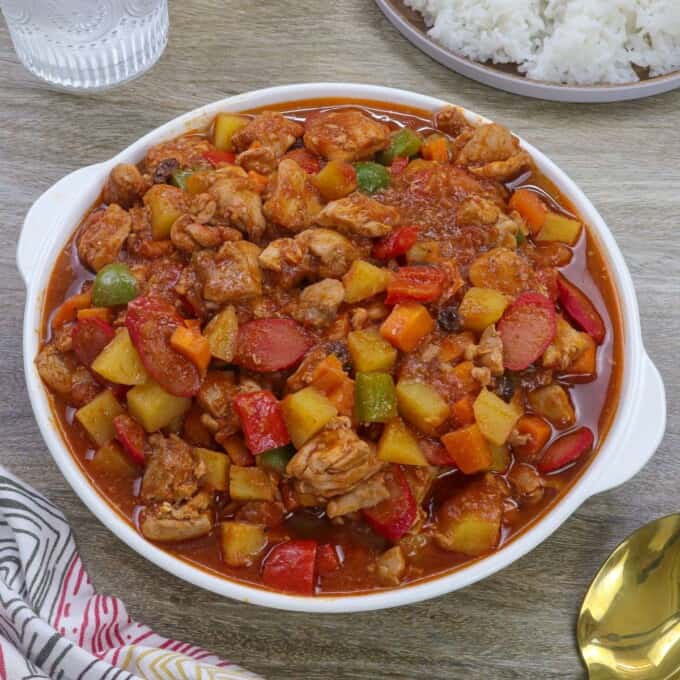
97,417
407,325
398,445
306,412
495,417
241,543
221,334
364,280
226,125
553,403
153,407
481,307
336,180
119,361
250,484
472,535
421,405
370,352
424,252
469,449
111,461
166,204
557,227
216,468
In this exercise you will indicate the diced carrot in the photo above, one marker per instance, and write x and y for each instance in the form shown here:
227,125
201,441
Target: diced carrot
469,449
435,148
192,345
463,371
586,364
258,180
462,411
453,346
342,397
529,205
407,325
328,374
103,313
68,310
193,324
538,432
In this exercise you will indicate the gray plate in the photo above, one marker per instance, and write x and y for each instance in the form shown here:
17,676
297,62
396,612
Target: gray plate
506,77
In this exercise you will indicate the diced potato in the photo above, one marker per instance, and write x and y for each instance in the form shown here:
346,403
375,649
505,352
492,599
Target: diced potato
407,325
250,484
495,417
398,445
153,407
306,412
421,405
471,535
553,403
336,180
370,352
216,468
481,307
97,417
165,205
364,280
424,252
111,461
469,449
221,334
241,543
500,458
226,125
119,361
557,227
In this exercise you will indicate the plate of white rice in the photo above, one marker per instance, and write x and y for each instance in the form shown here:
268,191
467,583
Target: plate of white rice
563,50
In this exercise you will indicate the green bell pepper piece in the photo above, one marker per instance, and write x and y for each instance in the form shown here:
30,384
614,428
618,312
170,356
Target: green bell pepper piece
276,459
405,143
375,399
114,285
372,177
179,178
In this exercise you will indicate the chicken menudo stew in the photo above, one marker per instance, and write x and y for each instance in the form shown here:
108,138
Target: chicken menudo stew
334,348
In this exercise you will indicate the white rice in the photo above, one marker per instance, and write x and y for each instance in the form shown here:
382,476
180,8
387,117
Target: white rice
580,42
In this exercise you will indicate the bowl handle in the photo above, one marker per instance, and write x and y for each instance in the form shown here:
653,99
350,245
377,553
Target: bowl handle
40,223
645,432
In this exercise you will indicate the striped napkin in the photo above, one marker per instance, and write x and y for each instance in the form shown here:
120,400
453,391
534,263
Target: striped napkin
53,625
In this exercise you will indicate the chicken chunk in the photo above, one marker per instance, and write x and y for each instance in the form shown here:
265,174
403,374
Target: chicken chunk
237,201
501,269
181,522
230,275
493,152
359,215
172,471
187,151
188,235
346,135
367,494
452,121
318,304
334,461
477,210
102,236
294,201
391,566
62,374
264,140
216,394
489,352
567,346
125,185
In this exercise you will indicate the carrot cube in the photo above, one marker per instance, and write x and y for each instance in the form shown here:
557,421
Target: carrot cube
538,433
469,449
68,310
328,374
407,325
463,372
453,346
529,205
463,412
103,313
435,148
191,344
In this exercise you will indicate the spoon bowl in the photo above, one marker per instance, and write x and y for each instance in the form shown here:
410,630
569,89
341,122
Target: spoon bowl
629,624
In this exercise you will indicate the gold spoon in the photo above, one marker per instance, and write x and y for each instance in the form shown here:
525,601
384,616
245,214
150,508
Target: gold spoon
629,625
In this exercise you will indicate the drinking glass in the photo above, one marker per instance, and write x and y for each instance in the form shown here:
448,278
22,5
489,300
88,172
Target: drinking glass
88,45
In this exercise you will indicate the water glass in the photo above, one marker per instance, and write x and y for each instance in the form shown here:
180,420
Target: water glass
87,45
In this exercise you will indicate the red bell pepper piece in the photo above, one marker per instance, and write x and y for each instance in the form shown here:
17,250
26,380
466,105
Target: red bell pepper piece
131,436
394,516
424,284
266,345
217,157
397,243
566,449
261,420
399,165
89,337
580,309
327,560
290,567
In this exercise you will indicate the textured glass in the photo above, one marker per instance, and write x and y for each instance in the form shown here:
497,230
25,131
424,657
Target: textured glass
87,44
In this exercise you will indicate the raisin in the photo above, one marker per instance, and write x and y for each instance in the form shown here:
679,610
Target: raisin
448,320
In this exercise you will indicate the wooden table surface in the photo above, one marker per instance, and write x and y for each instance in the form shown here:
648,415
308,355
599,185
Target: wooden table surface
516,624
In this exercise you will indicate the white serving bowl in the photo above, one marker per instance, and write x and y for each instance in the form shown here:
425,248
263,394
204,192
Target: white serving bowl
635,433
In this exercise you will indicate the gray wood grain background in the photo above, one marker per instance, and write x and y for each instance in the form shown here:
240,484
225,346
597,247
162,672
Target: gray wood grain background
520,622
